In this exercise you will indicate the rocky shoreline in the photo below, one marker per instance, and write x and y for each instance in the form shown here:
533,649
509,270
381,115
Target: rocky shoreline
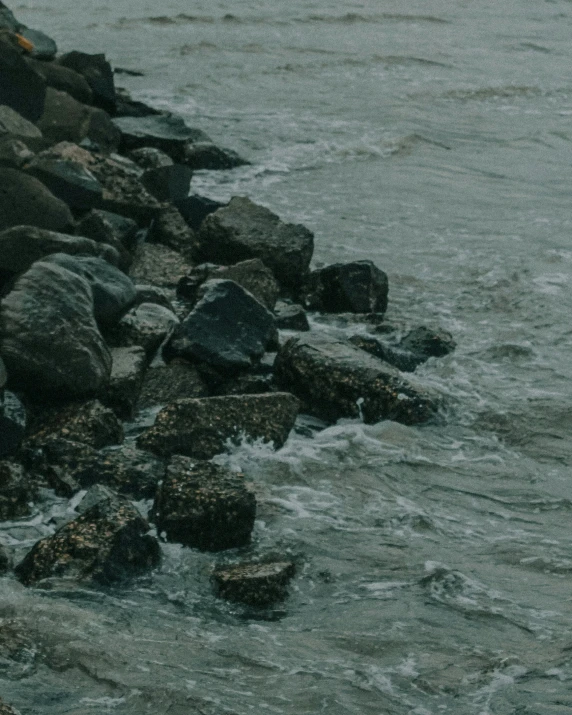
122,291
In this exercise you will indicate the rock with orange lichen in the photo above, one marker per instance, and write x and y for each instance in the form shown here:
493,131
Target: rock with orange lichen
106,544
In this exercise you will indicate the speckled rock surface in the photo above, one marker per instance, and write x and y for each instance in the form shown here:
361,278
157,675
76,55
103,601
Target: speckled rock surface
158,265
335,379
357,287
171,229
166,383
200,427
13,420
147,325
254,584
108,543
127,373
203,505
16,491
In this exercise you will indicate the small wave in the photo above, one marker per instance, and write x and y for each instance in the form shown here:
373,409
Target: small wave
350,18
483,93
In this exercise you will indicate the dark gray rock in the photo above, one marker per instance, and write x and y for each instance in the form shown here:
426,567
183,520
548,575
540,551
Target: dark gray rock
113,292
97,72
127,373
200,428
5,566
252,275
291,316
8,20
401,359
255,383
113,229
426,342
206,155
166,383
26,201
106,544
228,328
358,287
167,132
335,379
16,491
6,709
15,126
158,265
13,420
168,183
3,377
21,88
50,341
154,294
254,584
45,47
126,106
64,80
146,325
195,209
14,154
171,229
203,505
23,245
69,181
148,157
244,230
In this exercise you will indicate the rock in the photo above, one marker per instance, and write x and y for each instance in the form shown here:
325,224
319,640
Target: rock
3,377
126,106
167,132
15,126
334,379
113,292
13,420
16,491
8,20
291,316
113,229
89,423
425,343
25,200
245,230
95,494
14,153
401,359
228,328
64,119
45,47
23,245
358,287
146,325
256,383
254,584
5,566
158,265
21,88
252,275
167,383
106,544
148,157
49,301
69,181
200,428
127,373
64,80
6,709
203,505
98,74
206,155
171,229
168,183
195,209
153,294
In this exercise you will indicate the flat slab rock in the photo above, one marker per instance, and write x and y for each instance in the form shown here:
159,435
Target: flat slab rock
203,505
201,427
254,584
108,543
335,379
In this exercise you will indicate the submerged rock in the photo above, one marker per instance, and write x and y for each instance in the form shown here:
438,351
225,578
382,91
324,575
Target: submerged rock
254,584
358,287
203,505
106,544
200,428
335,379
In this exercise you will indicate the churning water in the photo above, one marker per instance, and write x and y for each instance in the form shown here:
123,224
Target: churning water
434,563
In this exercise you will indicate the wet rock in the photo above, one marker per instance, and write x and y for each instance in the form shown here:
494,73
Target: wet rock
148,157
200,428
425,343
45,302
358,287
113,229
147,325
106,544
98,74
113,292
64,119
245,384
89,423
171,229
252,275
64,80
13,419
245,230
228,328
67,180
205,506
168,183
14,153
6,709
334,379
166,383
195,209
206,155
127,372
16,491
291,316
158,265
23,245
254,584
167,132
25,200
14,125
21,88
401,359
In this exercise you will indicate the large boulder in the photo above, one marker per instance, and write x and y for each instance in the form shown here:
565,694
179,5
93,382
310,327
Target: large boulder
228,329
117,231
21,88
201,428
203,505
69,181
25,200
164,384
97,72
167,132
23,245
13,418
171,229
64,80
50,341
14,125
254,584
106,544
195,209
335,379
244,230
358,287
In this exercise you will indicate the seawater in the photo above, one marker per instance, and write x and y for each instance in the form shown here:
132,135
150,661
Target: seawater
434,562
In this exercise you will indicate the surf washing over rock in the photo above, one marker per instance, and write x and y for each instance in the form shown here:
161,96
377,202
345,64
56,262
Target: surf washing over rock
283,358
